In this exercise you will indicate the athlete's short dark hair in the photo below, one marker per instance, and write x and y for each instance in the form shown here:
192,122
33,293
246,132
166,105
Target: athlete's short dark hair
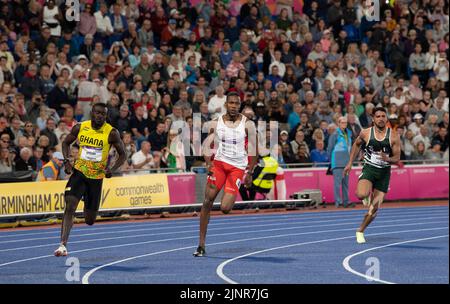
382,109
99,104
233,93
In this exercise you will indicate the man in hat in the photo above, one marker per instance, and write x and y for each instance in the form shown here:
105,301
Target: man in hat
169,31
351,78
306,87
52,170
415,127
87,48
261,112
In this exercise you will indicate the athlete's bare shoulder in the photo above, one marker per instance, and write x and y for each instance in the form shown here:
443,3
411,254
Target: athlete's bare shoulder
249,124
364,134
211,125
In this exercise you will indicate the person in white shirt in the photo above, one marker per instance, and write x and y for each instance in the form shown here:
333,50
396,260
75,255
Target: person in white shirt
422,137
351,78
441,68
192,52
216,105
51,17
334,75
104,26
277,62
143,159
399,97
415,126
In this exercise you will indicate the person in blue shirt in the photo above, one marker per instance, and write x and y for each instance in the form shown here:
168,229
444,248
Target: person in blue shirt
319,155
339,147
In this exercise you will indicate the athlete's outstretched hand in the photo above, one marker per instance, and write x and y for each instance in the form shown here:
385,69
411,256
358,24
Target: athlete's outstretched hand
68,168
347,169
248,180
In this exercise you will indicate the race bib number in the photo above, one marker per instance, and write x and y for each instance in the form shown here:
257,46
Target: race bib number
91,154
375,158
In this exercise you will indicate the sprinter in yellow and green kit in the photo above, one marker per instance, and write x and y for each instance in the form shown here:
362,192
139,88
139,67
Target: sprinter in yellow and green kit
95,138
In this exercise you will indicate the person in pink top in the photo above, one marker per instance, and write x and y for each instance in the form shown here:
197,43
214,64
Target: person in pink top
235,65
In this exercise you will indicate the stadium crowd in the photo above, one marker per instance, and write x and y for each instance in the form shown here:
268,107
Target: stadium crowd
156,62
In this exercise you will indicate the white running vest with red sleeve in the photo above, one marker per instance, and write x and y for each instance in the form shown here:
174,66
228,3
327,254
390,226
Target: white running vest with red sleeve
232,148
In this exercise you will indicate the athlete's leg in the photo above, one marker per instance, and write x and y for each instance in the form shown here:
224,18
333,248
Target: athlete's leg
234,180
363,192
92,200
90,216
378,197
69,215
210,195
72,195
363,189
227,202
214,184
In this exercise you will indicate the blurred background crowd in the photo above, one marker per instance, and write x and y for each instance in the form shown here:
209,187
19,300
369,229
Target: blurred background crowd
302,63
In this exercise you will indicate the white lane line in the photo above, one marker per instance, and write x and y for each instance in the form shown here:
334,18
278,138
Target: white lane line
217,219
195,237
225,228
85,279
346,261
219,269
242,228
213,224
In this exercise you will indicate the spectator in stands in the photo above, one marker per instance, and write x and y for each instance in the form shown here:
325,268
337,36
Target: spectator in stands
434,153
366,117
22,162
52,170
46,67
415,127
419,152
49,131
319,155
143,159
442,138
339,147
6,162
173,155
158,138
302,155
423,137
139,126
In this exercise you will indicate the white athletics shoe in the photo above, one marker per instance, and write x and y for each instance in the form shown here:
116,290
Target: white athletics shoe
360,238
61,251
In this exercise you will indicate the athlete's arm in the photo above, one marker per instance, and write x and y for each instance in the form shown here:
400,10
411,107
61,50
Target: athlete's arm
355,149
70,138
115,140
207,153
250,129
396,150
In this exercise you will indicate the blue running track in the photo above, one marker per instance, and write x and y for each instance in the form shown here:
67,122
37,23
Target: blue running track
404,245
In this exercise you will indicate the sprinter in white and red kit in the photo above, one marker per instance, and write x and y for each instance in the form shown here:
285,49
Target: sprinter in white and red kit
236,141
